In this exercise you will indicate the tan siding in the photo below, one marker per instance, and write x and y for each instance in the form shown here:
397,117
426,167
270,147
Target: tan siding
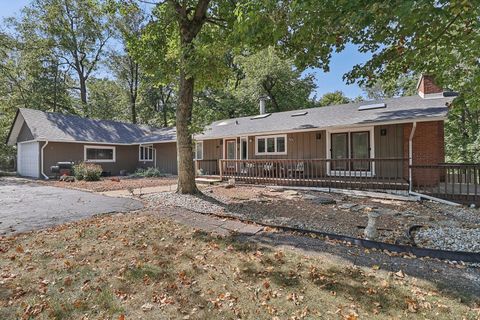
167,157
126,156
389,146
212,149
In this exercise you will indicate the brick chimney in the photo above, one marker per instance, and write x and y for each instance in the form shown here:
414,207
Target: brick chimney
427,88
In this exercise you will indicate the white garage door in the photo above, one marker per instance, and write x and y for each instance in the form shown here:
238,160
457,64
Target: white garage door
29,159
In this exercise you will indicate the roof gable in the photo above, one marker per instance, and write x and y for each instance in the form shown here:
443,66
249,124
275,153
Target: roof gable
69,128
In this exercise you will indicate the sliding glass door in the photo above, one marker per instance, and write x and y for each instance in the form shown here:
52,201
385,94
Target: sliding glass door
348,149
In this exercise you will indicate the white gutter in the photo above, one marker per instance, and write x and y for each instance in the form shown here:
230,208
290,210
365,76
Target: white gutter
41,161
410,157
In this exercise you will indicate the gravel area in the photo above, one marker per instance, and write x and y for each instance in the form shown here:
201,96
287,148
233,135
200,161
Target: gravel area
340,214
456,239
113,183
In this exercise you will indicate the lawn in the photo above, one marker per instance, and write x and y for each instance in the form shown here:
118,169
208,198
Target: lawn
136,266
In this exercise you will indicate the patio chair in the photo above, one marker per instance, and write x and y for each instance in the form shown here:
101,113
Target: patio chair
297,170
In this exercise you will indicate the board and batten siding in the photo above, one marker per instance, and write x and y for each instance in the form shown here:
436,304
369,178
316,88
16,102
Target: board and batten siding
126,156
389,146
166,157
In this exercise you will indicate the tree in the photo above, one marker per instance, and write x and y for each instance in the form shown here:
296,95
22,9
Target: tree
333,98
266,74
107,100
405,85
129,22
191,39
79,31
439,38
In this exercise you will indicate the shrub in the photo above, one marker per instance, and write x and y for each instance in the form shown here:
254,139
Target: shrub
148,173
87,171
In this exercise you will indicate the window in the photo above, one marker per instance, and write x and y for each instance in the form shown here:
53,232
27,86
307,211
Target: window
199,150
99,154
271,145
146,152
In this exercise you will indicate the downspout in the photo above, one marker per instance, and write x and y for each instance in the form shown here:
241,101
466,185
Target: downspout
410,157
41,160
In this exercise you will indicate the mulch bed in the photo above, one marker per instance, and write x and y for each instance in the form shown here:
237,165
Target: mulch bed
114,183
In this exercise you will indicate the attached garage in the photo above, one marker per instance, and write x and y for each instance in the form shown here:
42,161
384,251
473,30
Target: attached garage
28,157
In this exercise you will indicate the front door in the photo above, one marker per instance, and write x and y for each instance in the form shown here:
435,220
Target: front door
231,152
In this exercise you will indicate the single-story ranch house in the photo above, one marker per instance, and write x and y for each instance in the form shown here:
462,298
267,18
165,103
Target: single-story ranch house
45,138
373,144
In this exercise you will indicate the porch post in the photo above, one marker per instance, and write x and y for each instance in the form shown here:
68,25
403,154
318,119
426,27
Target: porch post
410,157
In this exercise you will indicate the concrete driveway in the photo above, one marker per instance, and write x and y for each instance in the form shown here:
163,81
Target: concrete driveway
26,205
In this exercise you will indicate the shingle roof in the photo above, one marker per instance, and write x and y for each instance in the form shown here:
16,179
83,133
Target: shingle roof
69,128
396,110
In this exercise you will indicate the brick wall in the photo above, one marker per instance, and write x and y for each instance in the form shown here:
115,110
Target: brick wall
427,85
428,149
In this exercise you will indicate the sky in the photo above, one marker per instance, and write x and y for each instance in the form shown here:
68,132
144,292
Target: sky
326,82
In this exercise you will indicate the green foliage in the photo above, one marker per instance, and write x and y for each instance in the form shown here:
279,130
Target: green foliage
87,171
333,98
108,100
405,85
147,173
265,73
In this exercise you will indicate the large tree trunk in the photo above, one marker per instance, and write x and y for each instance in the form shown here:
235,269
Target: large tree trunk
83,95
186,168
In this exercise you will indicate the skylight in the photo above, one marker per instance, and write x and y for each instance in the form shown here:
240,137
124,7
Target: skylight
299,114
372,106
223,123
260,116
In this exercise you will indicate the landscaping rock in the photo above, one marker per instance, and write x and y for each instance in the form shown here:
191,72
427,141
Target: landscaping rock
449,238
347,206
323,200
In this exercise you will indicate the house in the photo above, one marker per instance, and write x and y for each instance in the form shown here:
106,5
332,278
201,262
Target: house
44,138
366,144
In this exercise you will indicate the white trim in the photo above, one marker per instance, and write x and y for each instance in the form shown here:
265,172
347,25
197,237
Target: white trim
353,125
148,146
98,147
225,148
41,160
275,137
195,153
410,156
345,173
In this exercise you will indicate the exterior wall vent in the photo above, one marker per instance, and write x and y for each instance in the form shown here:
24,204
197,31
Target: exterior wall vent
372,106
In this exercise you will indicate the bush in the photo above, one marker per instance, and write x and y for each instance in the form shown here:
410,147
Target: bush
87,171
148,173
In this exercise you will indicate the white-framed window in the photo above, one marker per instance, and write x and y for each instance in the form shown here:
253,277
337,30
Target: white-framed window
145,152
99,154
271,145
199,150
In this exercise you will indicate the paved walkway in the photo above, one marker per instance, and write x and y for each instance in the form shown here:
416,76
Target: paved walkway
208,223
139,191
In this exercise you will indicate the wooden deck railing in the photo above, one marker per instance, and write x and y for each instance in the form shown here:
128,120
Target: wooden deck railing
372,174
207,167
451,181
